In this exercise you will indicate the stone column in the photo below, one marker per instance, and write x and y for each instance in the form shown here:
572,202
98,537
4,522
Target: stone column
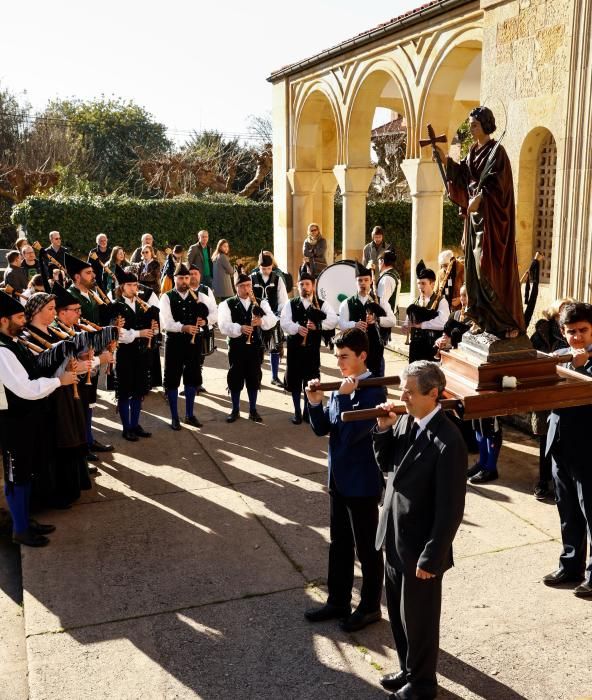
282,198
328,187
354,183
303,184
427,189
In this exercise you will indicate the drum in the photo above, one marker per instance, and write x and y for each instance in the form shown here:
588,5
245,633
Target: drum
273,338
207,342
337,282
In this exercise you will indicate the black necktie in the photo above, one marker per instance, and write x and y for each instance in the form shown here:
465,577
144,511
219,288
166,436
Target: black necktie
413,433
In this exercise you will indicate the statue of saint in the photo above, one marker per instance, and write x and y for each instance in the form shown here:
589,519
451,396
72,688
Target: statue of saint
481,184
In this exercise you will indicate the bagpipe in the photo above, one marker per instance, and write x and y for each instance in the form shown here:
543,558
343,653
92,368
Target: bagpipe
315,315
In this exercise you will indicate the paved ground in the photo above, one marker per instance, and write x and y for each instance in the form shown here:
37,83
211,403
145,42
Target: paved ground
184,574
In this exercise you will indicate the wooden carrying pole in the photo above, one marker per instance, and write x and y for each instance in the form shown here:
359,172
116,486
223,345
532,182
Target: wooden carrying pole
372,381
370,413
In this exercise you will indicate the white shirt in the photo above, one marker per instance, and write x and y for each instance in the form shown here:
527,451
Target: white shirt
388,321
291,327
385,289
233,330
128,335
210,301
422,422
282,292
14,377
167,322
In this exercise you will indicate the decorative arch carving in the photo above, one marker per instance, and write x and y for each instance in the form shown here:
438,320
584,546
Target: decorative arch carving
322,93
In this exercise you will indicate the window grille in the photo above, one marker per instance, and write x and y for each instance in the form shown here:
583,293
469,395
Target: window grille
545,200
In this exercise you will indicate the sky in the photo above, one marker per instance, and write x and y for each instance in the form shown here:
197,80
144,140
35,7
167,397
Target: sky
192,65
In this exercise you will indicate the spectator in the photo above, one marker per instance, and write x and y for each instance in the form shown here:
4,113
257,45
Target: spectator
373,250
15,275
314,252
103,253
56,250
147,239
30,264
20,243
167,276
200,255
223,271
149,271
35,285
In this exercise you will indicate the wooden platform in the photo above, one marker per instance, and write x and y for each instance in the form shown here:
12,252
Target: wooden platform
542,385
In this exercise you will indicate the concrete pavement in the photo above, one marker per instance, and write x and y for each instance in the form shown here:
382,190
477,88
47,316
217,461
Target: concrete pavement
185,571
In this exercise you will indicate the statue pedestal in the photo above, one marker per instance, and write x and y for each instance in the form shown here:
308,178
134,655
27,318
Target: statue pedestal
475,374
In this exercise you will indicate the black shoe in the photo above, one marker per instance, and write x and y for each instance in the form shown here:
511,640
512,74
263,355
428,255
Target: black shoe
175,424
408,692
277,382
359,619
99,447
542,491
584,590
92,470
484,476
30,539
192,420
306,417
129,435
327,612
231,417
254,416
394,681
297,419
91,457
140,432
201,389
474,470
556,578
40,528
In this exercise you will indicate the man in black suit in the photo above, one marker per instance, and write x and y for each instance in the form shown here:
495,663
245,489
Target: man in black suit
426,458
57,252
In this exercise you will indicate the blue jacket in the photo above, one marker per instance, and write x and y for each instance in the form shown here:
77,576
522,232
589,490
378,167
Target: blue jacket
352,465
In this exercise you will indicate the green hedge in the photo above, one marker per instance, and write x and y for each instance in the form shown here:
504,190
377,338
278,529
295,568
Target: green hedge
248,225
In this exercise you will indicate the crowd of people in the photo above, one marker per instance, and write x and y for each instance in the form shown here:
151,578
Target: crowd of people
63,320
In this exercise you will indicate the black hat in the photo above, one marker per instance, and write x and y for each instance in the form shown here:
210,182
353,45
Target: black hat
242,278
123,276
389,257
74,266
9,306
426,274
194,267
362,271
265,260
63,296
305,276
181,269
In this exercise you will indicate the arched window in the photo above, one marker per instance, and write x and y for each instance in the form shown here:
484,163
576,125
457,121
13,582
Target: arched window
545,198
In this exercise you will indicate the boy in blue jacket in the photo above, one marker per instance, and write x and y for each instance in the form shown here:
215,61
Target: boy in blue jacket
355,488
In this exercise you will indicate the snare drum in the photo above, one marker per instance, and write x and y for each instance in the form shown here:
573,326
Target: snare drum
337,283
273,338
207,342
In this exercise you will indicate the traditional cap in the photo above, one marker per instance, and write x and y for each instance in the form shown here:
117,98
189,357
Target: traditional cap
62,296
389,257
181,270
305,276
9,306
194,267
426,274
265,260
123,276
242,278
362,271
36,302
445,257
74,266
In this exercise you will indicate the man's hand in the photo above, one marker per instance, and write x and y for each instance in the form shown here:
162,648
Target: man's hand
311,326
256,321
385,422
188,328
362,325
201,322
312,392
106,357
348,385
68,378
246,330
421,573
146,333
580,357
303,331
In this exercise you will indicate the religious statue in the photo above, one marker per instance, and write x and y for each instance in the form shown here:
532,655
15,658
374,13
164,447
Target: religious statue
481,184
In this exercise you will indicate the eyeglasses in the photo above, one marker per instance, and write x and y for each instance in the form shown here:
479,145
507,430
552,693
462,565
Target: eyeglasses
145,252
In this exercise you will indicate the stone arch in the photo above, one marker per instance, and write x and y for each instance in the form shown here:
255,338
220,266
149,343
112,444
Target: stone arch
452,83
317,133
379,85
535,198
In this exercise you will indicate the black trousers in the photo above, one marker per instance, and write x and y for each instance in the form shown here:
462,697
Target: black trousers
244,366
353,531
414,610
182,359
573,490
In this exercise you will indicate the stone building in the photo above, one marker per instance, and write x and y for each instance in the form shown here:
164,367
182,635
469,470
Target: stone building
527,59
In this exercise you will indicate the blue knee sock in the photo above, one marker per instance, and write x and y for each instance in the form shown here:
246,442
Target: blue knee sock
492,453
296,401
190,393
123,406
483,452
89,435
274,359
252,394
135,408
17,497
235,396
172,396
